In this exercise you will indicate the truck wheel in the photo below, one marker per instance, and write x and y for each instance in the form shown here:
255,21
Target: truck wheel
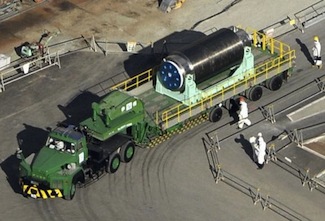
274,83
254,93
113,164
215,114
127,152
72,191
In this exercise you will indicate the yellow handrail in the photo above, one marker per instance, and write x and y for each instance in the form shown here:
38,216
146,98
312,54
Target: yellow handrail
135,81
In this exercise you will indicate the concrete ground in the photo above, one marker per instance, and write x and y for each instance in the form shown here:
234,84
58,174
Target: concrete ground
172,181
138,20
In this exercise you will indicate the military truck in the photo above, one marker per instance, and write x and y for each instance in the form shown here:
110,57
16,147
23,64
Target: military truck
190,86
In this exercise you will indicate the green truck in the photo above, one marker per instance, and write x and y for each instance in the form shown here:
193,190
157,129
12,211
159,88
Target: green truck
190,86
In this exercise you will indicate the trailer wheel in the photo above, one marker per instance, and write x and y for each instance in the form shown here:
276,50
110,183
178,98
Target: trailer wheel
215,114
127,152
274,83
113,164
231,104
254,93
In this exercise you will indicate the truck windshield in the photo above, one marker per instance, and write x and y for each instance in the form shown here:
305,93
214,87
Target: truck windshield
60,145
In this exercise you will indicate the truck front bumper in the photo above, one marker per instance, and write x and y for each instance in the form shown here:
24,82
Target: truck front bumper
35,191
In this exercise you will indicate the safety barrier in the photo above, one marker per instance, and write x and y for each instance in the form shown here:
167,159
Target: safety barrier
268,110
260,39
135,81
257,194
26,68
311,15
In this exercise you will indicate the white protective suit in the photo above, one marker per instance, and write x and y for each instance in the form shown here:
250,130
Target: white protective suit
243,115
317,49
261,150
317,53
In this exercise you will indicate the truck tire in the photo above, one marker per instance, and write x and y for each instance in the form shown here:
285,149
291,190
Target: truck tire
127,152
215,114
72,191
254,93
113,164
274,83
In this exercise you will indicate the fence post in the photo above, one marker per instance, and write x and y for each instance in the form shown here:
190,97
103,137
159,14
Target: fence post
271,154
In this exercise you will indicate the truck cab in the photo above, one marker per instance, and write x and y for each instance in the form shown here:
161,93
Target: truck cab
56,169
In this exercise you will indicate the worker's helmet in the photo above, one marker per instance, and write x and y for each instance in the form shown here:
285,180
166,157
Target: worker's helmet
241,99
60,145
259,134
316,38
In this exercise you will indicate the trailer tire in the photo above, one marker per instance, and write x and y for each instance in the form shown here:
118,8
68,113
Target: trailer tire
231,104
113,164
254,93
215,114
127,152
274,83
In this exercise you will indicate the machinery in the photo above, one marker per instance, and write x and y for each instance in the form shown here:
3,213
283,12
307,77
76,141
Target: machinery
36,49
208,58
82,154
168,5
191,85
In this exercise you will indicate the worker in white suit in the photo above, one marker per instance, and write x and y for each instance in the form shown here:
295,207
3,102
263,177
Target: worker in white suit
317,52
243,114
259,150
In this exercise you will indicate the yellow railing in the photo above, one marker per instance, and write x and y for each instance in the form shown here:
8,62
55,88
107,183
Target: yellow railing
268,43
135,81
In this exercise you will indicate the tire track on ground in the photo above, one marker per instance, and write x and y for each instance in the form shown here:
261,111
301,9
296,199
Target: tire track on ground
85,206
48,210
147,166
164,158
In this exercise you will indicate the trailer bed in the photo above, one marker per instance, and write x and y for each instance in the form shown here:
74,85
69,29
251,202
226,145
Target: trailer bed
271,58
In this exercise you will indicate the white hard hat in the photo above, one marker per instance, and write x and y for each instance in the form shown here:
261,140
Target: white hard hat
60,145
259,134
252,139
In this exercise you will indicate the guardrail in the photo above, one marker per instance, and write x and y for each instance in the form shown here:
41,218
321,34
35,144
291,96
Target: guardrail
15,70
135,81
26,68
311,15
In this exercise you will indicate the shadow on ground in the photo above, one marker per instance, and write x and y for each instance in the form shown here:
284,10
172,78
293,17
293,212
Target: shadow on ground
305,51
79,108
30,140
246,145
152,56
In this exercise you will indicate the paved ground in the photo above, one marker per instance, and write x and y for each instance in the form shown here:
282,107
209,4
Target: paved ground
138,20
172,181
